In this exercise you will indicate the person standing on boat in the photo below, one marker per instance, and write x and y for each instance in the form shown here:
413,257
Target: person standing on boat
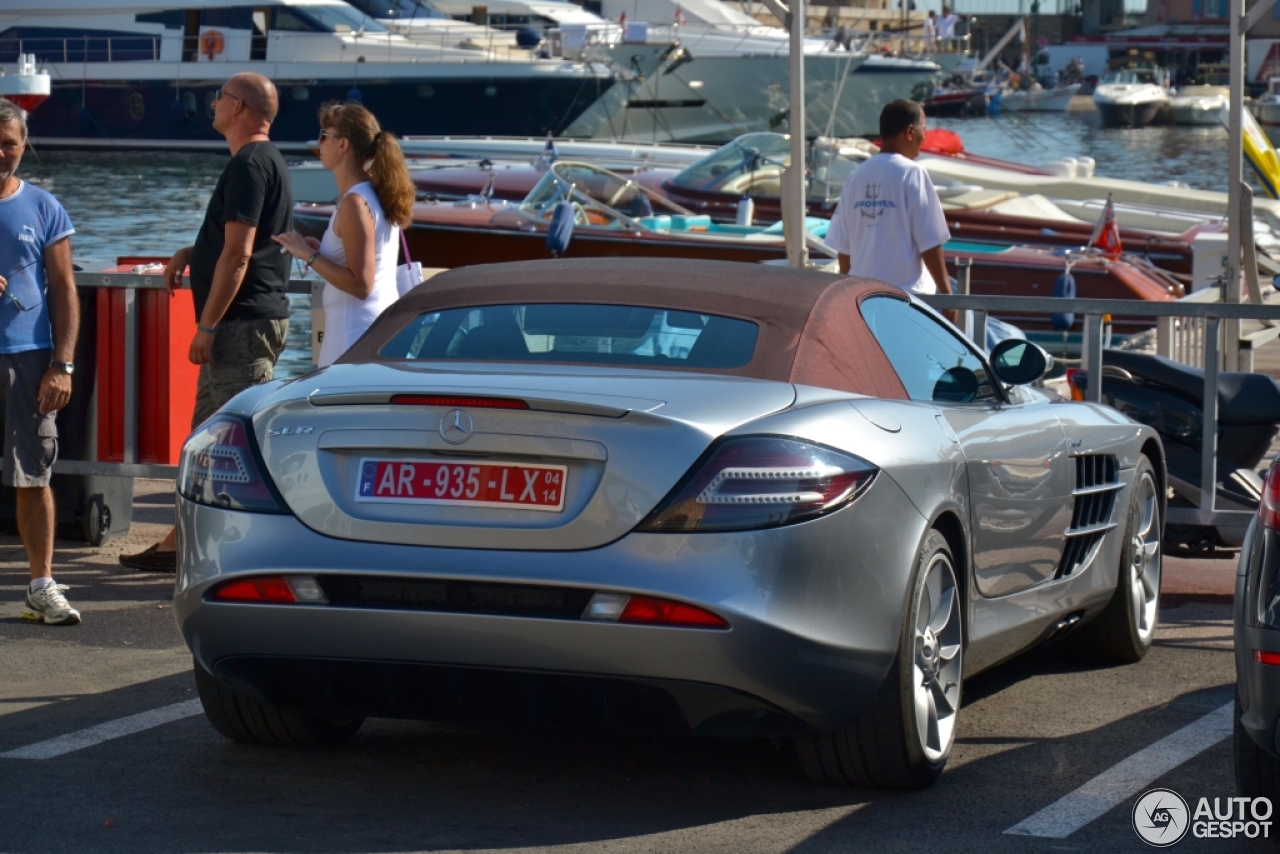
931,31
889,224
39,322
239,277
358,255
947,28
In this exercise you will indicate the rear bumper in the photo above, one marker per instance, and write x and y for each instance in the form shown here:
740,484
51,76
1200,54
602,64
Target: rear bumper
814,613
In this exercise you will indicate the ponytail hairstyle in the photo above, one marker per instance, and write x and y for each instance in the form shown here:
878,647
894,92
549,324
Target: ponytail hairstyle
380,152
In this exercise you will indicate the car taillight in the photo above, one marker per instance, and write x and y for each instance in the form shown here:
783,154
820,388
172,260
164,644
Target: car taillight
761,482
221,467
458,400
272,590
1269,507
650,611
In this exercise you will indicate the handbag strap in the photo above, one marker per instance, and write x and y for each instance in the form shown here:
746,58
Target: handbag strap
404,244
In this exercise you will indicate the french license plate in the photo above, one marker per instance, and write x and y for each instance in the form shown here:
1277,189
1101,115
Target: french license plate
472,484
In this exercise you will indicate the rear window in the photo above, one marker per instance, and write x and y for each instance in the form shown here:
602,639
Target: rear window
586,334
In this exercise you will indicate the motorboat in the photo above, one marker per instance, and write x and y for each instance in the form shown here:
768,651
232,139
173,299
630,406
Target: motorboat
751,167
1267,108
1052,99
1200,105
143,73
1130,97
26,87
615,215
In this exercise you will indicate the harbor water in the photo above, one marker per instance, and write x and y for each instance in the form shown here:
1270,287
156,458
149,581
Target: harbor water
152,203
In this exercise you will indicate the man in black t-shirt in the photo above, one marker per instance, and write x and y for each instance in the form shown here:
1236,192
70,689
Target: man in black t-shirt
238,274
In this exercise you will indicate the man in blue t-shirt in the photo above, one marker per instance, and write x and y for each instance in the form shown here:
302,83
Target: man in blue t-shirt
39,320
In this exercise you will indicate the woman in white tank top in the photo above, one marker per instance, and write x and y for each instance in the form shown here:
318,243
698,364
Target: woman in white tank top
358,255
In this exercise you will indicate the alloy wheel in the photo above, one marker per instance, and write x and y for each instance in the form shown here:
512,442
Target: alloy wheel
1144,567
937,661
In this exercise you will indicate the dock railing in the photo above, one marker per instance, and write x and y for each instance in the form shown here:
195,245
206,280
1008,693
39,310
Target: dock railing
1214,316
131,283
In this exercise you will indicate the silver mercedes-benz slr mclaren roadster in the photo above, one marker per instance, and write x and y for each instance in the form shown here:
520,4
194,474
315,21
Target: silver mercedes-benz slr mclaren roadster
684,496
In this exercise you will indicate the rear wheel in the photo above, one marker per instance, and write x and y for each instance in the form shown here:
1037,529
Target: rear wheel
251,722
1125,630
1257,772
903,739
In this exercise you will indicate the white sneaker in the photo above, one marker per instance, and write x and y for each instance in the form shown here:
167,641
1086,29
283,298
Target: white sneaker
50,605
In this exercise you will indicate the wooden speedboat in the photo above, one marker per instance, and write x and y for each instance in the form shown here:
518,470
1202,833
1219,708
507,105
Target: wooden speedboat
752,166
615,215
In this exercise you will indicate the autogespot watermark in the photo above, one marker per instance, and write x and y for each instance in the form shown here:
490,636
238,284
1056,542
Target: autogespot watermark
1162,817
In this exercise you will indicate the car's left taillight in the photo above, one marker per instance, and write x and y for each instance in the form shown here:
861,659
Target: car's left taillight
221,467
755,482
1269,506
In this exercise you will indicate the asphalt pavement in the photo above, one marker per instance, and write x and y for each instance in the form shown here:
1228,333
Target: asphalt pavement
1045,741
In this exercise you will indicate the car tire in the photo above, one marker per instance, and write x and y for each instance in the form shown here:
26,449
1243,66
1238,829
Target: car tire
1124,631
1257,771
904,737
251,722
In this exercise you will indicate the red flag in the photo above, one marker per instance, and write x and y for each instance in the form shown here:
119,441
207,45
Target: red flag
622,20
1106,235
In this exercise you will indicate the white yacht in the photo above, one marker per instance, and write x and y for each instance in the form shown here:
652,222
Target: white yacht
1130,97
142,73
731,76
1267,108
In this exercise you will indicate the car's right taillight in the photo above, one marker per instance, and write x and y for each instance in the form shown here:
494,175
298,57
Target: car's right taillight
1269,507
761,482
220,467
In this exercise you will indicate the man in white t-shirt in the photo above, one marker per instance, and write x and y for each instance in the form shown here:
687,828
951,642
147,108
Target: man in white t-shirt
931,30
889,224
947,28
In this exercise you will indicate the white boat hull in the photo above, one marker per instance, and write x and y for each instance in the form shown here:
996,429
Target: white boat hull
1055,100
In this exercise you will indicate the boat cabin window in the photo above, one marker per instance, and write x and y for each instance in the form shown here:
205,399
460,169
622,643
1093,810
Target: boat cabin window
1131,76
400,10
323,19
579,334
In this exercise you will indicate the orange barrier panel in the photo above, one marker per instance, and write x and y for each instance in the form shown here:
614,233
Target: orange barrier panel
166,378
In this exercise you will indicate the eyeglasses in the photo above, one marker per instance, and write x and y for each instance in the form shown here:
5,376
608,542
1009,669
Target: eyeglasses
330,134
218,93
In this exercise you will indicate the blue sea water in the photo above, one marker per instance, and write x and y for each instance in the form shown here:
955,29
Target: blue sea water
152,203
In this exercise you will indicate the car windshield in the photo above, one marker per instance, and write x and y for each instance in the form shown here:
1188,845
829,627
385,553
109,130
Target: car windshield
577,333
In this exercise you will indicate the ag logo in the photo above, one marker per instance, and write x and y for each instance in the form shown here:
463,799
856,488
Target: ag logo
1161,817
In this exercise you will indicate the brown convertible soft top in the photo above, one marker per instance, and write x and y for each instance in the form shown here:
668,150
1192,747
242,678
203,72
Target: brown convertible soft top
811,331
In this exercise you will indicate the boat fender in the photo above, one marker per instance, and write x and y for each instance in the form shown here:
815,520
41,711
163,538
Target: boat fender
1063,288
560,232
354,94
85,123
746,211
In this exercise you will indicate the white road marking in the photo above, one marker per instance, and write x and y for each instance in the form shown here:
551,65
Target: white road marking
1127,778
105,732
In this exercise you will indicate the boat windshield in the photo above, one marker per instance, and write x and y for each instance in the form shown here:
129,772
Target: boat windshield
1131,76
400,10
602,197
752,165
746,163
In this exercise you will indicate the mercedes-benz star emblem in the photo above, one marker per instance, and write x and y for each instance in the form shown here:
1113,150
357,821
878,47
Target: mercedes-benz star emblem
456,427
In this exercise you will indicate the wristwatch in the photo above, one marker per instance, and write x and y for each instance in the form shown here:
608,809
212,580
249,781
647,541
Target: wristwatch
65,367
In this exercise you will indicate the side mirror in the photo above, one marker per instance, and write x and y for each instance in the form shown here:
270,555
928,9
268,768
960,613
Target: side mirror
1018,362
956,385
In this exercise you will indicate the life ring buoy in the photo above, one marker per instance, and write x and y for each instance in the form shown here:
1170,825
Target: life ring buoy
211,43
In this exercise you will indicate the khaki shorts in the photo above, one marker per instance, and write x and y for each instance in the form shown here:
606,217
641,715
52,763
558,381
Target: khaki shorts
30,439
244,355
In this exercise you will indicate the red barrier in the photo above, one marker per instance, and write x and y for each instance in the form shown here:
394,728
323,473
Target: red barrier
166,378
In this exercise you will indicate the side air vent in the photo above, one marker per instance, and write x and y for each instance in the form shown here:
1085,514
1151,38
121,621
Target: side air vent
1094,496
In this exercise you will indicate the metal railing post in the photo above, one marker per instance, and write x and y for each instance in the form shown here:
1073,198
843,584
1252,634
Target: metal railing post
1209,425
980,330
130,375
964,270
1093,356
